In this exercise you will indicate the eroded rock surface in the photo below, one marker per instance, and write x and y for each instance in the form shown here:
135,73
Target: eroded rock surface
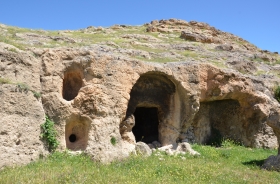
21,113
170,97
103,98
143,149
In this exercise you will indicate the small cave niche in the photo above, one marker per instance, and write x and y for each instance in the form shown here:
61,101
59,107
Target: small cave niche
72,83
218,120
76,133
146,124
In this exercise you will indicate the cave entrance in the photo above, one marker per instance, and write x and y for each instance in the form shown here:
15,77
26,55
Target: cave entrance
72,83
76,132
146,124
218,120
152,107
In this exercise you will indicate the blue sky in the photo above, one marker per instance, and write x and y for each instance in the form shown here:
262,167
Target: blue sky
257,21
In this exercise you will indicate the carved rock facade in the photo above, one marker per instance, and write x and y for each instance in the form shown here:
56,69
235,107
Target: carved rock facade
103,103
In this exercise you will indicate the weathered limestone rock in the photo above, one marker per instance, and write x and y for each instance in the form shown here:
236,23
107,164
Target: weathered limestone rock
143,149
165,148
181,148
224,47
126,129
231,105
21,113
186,147
198,38
166,98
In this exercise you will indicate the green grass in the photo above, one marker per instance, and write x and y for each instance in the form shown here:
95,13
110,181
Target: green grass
156,59
219,64
5,81
277,93
277,61
227,164
191,54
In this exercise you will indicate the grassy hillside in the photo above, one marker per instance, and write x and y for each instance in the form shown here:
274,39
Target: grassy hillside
227,164
163,44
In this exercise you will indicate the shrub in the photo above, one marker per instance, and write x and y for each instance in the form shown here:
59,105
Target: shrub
23,87
49,134
113,141
277,93
36,94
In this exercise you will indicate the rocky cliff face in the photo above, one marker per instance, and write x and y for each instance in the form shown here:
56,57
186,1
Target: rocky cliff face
106,89
21,113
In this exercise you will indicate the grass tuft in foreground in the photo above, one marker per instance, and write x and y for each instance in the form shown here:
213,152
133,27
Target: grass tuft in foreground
229,163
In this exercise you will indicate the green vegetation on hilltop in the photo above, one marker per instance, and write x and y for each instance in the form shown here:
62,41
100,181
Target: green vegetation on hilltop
157,46
227,164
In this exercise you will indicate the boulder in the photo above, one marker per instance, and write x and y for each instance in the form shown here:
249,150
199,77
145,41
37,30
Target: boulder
272,163
198,37
224,47
186,147
143,149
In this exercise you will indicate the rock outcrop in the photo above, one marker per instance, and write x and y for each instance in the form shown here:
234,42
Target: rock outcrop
103,100
165,99
20,111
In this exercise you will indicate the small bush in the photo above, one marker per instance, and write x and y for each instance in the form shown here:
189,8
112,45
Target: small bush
23,87
113,141
49,134
36,94
227,143
277,93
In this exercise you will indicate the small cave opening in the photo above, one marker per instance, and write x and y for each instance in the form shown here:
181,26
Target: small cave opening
76,133
218,120
72,83
72,138
146,124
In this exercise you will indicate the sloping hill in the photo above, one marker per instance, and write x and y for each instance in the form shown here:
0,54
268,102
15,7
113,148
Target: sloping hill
185,81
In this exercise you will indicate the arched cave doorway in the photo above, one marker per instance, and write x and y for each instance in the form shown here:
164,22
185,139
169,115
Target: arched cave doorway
72,83
151,105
